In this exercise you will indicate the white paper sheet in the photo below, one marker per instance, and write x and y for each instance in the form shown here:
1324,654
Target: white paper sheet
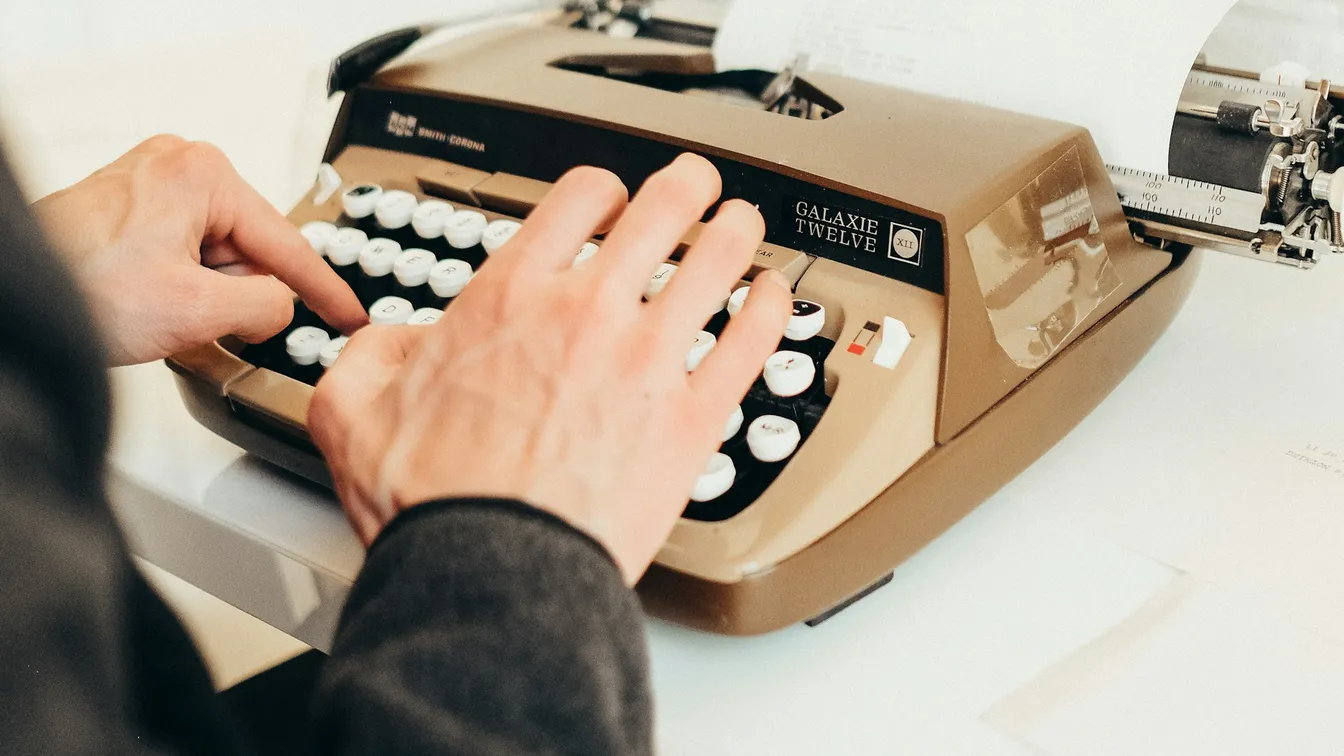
1115,67
1258,34
1202,670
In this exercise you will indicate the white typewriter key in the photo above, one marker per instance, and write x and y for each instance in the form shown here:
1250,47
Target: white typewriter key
344,247
498,233
704,342
448,277
331,351
738,299
658,281
394,208
789,373
772,438
734,424
390,311
586,251
425,316
360,201
378,256
806,321
429,217
464,228
716,479
318,233
412,267
305,344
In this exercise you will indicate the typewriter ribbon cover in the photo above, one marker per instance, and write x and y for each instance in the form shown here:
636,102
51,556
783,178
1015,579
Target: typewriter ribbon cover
1042,264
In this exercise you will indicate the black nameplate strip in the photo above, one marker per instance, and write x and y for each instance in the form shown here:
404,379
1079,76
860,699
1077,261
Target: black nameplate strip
799,215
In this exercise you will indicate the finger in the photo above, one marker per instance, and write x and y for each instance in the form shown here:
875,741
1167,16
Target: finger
240,269
750,337
253,308
271,241
370,360
713,266
585,201
666,206
258,231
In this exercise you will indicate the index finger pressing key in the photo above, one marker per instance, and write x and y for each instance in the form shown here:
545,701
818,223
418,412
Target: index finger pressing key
267,238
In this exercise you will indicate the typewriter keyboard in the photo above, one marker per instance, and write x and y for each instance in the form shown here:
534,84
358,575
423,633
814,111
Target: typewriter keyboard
407,258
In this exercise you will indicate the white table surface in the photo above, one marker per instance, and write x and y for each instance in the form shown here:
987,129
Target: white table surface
1143,588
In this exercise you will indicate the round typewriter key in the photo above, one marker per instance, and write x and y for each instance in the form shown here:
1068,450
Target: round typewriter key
586,251
318,234
498,233
375,266
305,344
738,299
343,248
394,209
658,281
806,321
734,424
412,273
331,351
704,342
772,438
448,277
360,201
716,479
378,257
789,373
429,217
412,267
463,229
343,253
425,316
390,311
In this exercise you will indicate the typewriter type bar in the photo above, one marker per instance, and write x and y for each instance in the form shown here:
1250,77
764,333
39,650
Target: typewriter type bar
946,332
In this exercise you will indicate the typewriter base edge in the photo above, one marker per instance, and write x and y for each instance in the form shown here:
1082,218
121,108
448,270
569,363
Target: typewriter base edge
847,562
214,412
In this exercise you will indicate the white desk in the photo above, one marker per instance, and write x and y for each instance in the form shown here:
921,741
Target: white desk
1165,581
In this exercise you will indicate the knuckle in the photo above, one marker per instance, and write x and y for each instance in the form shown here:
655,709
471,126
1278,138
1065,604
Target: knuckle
163,143
195,303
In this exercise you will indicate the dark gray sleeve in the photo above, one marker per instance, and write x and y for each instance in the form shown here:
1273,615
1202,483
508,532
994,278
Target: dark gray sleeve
90,660
483,626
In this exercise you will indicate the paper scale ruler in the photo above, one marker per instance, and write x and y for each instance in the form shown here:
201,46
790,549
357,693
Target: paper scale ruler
1182,201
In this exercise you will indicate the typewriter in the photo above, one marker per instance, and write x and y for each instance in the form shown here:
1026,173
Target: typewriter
967,285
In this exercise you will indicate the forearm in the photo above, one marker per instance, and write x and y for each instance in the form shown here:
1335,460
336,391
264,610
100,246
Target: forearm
482,626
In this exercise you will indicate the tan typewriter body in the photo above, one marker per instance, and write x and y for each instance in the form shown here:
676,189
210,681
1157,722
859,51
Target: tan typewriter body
900,454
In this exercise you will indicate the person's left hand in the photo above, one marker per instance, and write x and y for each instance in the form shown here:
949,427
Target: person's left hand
174,249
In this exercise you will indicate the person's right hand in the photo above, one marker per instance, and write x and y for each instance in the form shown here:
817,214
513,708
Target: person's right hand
558,386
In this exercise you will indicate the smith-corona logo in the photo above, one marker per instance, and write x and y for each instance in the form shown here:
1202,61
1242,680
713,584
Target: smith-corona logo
408,126
856,231
400,125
